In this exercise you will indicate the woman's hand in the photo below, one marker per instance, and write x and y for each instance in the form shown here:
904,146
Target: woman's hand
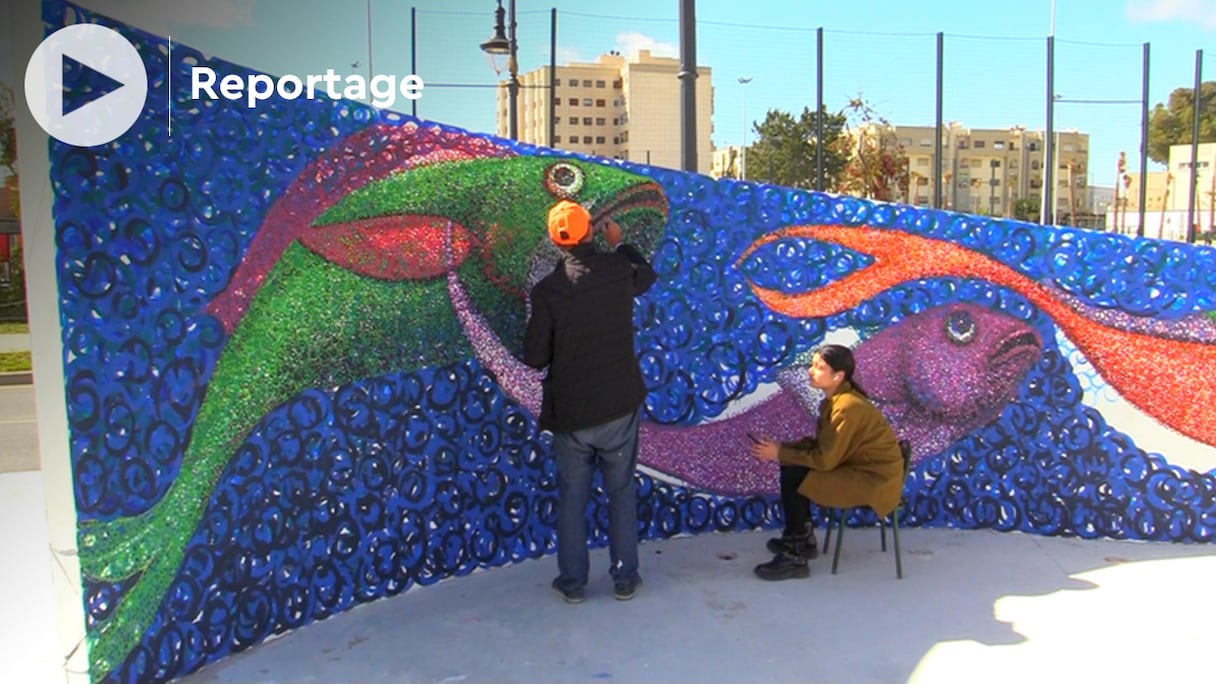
764,448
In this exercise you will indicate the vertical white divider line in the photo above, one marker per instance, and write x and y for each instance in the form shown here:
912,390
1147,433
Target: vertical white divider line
169,68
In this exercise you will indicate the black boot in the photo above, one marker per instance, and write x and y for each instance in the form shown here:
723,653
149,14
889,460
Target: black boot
784,566
805,543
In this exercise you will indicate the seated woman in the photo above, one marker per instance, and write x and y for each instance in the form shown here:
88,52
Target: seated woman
853,460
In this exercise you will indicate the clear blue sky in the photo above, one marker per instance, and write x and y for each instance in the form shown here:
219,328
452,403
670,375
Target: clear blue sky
885,50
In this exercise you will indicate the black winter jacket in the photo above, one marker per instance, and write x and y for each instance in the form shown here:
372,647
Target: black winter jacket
581,327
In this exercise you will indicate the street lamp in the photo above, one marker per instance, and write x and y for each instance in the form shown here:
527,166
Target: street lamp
743,81
503,43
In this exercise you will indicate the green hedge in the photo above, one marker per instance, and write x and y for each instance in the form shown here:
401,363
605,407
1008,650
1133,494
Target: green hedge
14,361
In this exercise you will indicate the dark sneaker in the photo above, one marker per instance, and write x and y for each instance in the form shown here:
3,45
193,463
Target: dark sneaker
623,591
568,595
791,545
783,567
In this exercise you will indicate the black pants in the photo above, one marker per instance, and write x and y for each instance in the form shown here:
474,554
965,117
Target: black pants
797,507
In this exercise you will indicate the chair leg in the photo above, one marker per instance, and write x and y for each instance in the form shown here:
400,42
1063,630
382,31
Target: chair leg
882,534
839,536
827,536
899,566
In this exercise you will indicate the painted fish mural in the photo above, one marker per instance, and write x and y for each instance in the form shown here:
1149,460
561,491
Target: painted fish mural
941,373
320,261
1127,356
291,384
936,375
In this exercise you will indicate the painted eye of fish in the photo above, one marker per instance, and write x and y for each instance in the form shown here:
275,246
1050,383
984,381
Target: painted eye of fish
960,327
563,180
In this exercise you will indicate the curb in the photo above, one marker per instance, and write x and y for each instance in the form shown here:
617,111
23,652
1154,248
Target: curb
17,378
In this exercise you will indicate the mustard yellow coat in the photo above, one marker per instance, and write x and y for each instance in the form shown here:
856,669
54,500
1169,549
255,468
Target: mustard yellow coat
854,458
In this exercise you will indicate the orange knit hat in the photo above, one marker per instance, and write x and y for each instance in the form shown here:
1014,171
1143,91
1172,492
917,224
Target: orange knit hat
569,223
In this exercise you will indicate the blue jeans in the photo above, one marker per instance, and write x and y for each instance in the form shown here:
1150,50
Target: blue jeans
613,448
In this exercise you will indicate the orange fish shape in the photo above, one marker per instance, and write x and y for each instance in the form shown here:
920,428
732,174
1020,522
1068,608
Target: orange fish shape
1132,361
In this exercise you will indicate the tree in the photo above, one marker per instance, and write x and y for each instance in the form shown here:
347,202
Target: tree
1171,124
1026,209
8,143
785,149
877,167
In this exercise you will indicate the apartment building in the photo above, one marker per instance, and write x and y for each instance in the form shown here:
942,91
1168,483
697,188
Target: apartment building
727,162
1167,194
617,106
986,171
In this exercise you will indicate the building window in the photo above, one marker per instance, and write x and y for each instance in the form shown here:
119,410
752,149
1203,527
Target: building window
587,83
926,142
978,144
586,102
600,84
557,139
617,84
586,140
573,102
574,121
586,121
616,103
557,101
998,145
1034,164
616,140
599,140
615,121
599,121
573,83
599,103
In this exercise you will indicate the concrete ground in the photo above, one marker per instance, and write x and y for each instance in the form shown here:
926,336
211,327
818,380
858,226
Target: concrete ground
974,606
18,429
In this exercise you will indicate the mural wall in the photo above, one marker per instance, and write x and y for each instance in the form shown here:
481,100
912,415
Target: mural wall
291,339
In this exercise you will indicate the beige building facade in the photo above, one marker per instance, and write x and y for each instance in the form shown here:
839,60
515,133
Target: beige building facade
986,171
727,162
619,107
1166,196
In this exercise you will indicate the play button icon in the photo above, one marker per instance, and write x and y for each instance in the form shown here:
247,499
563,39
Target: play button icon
86,85
83,85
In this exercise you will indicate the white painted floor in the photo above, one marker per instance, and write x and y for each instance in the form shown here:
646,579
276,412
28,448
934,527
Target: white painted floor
974,606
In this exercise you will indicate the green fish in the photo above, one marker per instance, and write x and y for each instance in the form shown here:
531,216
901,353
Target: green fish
360,291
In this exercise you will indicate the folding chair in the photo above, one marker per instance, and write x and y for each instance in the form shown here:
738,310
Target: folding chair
905,450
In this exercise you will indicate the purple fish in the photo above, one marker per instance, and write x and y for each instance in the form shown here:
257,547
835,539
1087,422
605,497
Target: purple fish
941,373
936,375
